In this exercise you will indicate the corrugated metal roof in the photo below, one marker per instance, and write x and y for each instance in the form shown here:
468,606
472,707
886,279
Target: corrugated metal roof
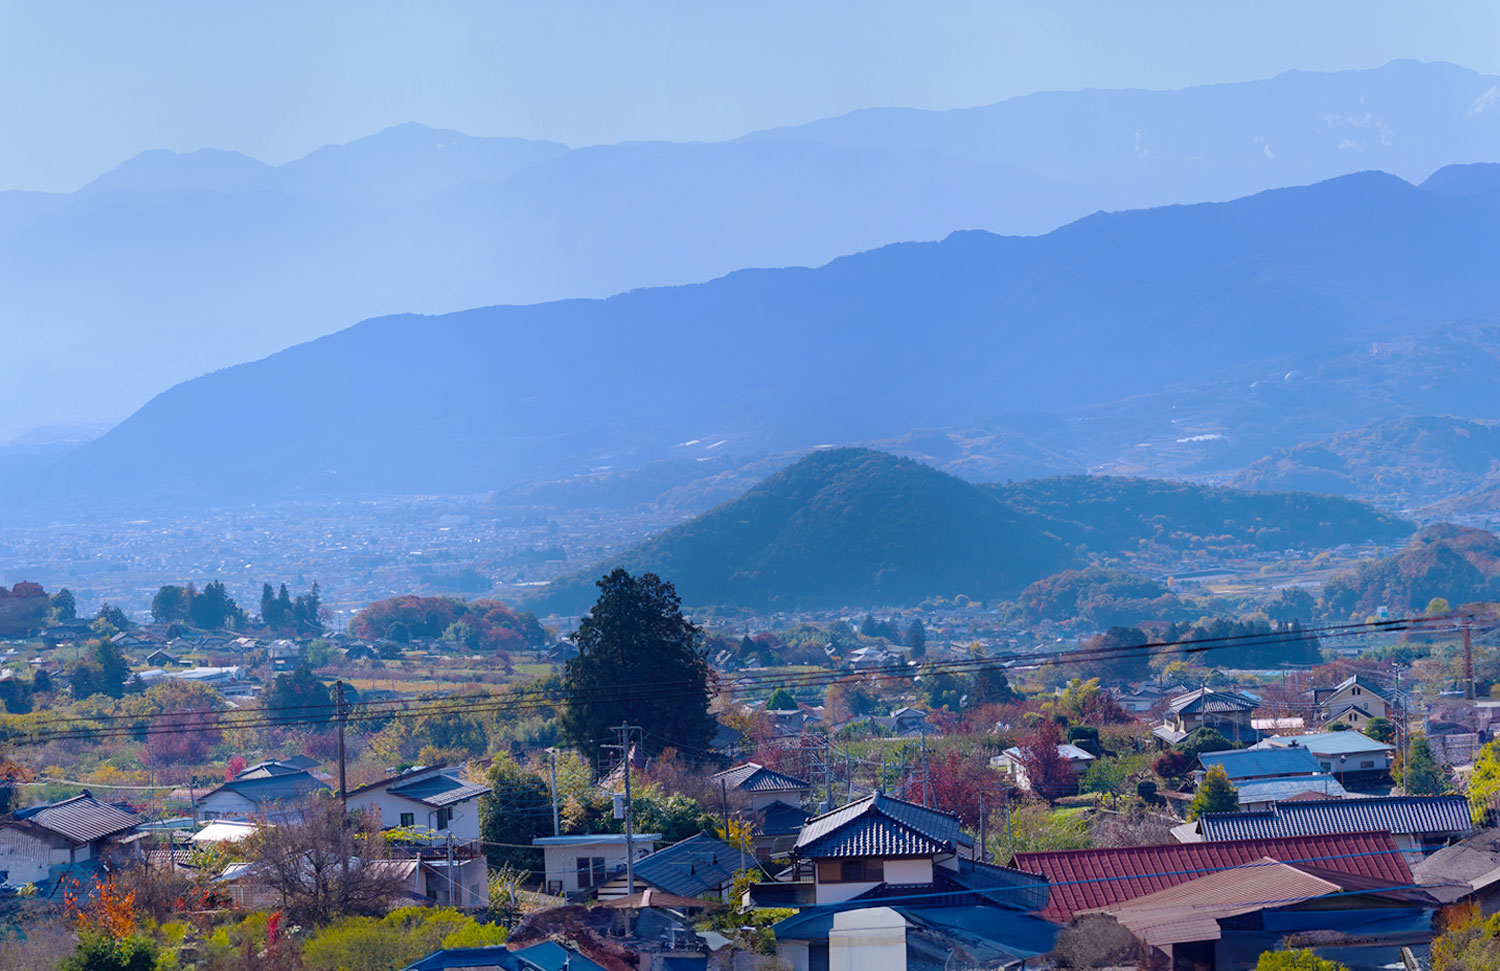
439,790
1087,879
1191,911
1421,815
1328,743
1260,763
81,819
879,825
754,777
1279,790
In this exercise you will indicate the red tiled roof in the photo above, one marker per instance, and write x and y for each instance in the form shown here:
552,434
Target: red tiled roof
1085,879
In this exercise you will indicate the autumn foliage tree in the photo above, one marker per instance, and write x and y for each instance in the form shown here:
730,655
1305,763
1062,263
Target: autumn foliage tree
964,783
481,624
1048,773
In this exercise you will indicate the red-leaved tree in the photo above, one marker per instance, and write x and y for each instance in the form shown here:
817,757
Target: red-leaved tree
1047,773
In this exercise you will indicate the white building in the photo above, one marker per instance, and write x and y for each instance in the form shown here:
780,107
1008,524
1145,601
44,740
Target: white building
576,863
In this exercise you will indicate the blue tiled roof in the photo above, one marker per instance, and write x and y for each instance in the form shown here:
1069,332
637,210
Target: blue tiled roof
546,956
1253,763
879,825
1394,814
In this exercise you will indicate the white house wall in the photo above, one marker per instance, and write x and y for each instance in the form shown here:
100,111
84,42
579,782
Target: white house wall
25,857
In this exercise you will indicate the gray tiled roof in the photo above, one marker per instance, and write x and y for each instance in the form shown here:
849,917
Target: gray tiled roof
692,867
879,825
439,790
1395,814
1207,699
81,819
753,777
276,788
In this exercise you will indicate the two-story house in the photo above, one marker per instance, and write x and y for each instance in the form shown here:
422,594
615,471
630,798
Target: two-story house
1351,702
775,801
437,812
1227,712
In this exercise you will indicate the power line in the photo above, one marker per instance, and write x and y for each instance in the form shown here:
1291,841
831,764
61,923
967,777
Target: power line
159,723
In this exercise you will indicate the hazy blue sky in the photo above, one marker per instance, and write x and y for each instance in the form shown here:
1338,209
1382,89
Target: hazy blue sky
85,85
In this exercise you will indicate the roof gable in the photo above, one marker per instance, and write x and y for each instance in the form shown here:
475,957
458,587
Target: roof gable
879,825
754,777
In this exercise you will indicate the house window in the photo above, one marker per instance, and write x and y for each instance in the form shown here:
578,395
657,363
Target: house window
1327,766
865,870
590,871
1356,690
1367,764
444,816
408,819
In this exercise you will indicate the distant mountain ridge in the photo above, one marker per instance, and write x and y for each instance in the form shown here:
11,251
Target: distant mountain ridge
1109,307
175,265
1406,460
856,527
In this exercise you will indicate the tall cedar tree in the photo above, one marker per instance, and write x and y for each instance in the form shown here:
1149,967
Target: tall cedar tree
916,638
639,661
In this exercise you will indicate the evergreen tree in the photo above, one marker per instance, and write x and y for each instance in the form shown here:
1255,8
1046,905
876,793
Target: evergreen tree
269,614
169,604
64,607
990,687
299,695
781,700
639,661
516,812
111,619
1421,775
868,627
916,638
1216,794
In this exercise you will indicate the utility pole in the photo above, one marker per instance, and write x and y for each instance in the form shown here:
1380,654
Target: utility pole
724,803
984,832
343,716
552,758
1468,661
452,884
344,802
625,729
926,789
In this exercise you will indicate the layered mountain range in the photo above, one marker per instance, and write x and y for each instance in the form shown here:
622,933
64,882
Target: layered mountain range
1115,323
175,265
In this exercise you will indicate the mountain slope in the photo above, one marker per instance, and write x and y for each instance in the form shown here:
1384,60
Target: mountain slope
1121,515
856,527
175,265
841,526
1112,306
1406,460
